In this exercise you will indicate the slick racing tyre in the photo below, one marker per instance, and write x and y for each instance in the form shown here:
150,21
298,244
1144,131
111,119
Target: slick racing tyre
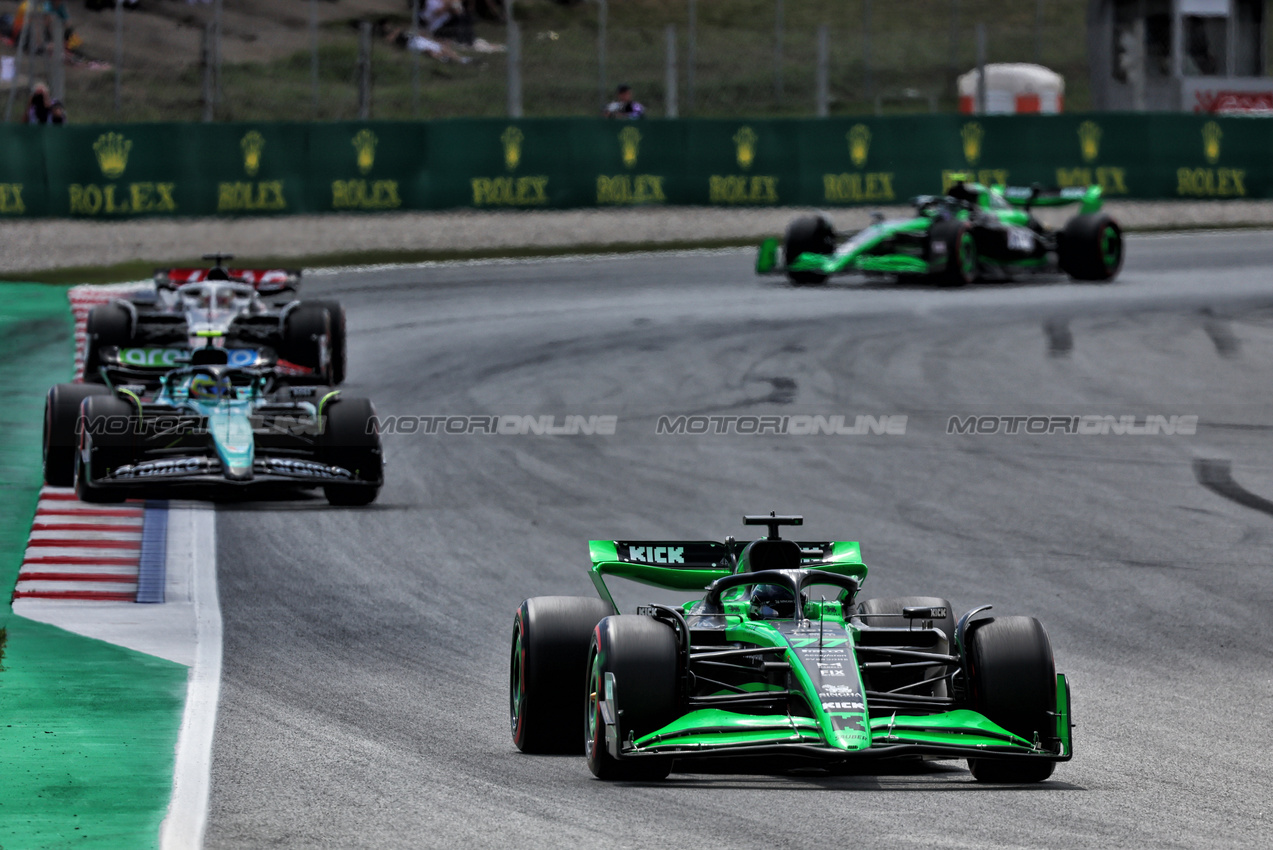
62,432
811,234
351,440
960,248
1090,247
108,436
641,653
550,650
305,331
336,316
886,680
108,324
1012,678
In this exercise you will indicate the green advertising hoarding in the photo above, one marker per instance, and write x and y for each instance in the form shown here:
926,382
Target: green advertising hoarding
127,170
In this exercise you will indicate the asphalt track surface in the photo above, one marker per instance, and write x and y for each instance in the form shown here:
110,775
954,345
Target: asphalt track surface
364,699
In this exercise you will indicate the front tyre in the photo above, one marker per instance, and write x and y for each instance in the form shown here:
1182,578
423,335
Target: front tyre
640,654
811,234
351,441
956,239
107,441
62,431
1013,682
1091,247
550,649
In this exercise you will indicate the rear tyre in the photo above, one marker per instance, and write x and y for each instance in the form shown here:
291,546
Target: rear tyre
886,680
1091,247
961,253
549,658
811,234
642,654
305,333
1012,677
336,316
351,440
110,442
61,430
108,324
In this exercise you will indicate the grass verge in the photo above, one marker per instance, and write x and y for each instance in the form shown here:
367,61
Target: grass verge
87,729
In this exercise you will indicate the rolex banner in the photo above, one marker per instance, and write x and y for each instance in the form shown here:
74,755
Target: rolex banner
115,171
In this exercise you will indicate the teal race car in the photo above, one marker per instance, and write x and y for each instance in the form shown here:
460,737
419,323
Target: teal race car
972,232
209,426
778,664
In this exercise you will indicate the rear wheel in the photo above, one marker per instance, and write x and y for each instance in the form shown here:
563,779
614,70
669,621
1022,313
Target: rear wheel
641,655
108,324
61,430
811,234
549,657
351,440
306,332
1013,682
1091,247
336,316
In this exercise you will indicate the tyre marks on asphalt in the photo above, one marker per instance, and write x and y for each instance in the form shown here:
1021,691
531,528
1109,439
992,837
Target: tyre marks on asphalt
1221,333
1217,476
1060,338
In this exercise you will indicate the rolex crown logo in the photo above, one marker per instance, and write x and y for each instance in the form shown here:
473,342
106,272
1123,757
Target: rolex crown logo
971,134
629,143
859,144
365,143
1211,135
252,143
112,153
512,139
745,141
1090,140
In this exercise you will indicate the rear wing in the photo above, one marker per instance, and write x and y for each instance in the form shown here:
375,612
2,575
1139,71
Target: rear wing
694,564
1038,196
265,281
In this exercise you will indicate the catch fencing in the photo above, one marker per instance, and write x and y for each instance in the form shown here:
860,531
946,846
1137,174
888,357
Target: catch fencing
250,169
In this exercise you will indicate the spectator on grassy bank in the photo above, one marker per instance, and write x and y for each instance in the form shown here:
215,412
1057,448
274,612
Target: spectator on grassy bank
38,107
448,19
623,106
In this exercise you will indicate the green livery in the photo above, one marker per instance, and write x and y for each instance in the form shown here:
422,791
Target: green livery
779,660
972,232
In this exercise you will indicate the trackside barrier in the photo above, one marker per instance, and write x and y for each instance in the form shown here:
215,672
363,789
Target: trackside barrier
111,171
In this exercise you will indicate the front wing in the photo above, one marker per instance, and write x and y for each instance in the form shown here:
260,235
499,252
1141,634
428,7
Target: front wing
715,734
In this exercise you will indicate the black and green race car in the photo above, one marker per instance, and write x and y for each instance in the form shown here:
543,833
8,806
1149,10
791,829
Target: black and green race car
972,232
779,664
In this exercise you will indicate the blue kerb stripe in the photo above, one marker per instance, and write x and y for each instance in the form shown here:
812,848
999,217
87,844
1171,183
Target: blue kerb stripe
153,569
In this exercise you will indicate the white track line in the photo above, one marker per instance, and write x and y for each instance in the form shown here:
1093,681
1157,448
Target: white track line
192,535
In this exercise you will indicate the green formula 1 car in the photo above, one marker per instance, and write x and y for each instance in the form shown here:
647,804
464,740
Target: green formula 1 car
972,232
779,664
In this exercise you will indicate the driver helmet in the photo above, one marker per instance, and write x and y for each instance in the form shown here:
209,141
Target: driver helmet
225,298
211,387
961,192
772,602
